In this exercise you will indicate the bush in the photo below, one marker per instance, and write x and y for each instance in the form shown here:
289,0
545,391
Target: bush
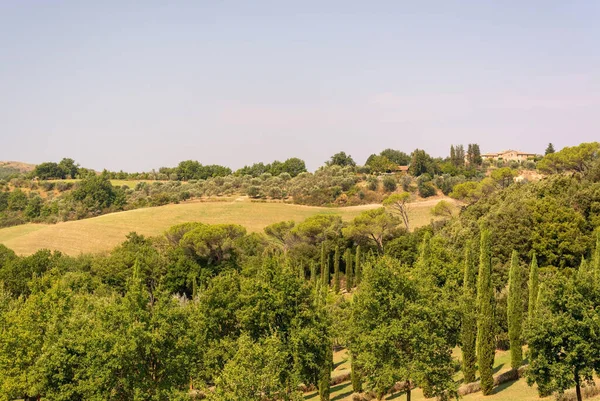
389,184
373,183
426,190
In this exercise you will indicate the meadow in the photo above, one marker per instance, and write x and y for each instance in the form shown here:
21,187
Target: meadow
104,232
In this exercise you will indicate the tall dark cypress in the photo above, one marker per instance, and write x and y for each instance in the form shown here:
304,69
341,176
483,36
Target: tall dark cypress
357,266
596,260
515,312
325,376
336,270
323,264
486,342
533,288
349,269
469,316
313,272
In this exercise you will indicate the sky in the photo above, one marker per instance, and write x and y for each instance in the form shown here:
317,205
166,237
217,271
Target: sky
138,85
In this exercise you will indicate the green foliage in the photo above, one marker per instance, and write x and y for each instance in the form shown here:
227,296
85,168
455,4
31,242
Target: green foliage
373,226
336,270
576,158
348,259
380,164
395,156
358,265
533,286
515,312
486,342
341,159
389,184
563,337
421,163
549,149
469,317
442,208
399,332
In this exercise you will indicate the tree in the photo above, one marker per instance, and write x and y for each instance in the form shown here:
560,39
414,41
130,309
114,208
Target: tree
549,149
564,337
341,159
324,266
389,184
469,316
379,164
576,159
442,208
357,265
96,192
336,270
400,204
421,163
400,332
486,341
396,157
504,176
348,257
372,226
294,166
515,312
214,244
68,168
533,288
474,155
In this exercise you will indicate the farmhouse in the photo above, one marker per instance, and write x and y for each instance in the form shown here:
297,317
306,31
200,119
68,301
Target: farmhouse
508,155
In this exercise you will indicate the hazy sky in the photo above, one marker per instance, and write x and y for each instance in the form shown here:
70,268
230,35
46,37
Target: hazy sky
139,85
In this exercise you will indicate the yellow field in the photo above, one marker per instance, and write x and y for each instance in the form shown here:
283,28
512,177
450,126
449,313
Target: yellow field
105,232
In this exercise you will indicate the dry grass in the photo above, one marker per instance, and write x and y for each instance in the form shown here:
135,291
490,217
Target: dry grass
105,232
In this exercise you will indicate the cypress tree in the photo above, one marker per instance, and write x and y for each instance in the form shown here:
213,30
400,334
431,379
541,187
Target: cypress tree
313,272
583,269
325,376
515,312
469,317
355,376
533,288
486,342
326,273
349,270
597,259
357,266
336,270
323,263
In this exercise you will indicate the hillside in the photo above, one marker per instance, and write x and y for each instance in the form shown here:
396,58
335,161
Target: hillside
104,232
20,166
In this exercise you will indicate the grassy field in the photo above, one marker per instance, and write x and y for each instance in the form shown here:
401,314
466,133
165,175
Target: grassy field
511,391
105,232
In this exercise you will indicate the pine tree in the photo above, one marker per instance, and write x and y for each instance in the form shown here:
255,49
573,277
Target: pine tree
469,317
515,312
549,149
336,270
357,266
486,342
349,270
533,288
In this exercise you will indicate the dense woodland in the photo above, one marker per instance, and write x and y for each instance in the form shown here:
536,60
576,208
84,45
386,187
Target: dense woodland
55,192
213,312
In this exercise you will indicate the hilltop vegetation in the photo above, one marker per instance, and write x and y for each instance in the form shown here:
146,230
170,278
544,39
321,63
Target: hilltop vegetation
63,191
212,311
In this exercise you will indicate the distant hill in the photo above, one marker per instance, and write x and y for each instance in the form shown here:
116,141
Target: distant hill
19,166
9,168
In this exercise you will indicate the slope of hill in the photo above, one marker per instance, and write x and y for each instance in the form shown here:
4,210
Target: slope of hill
105,232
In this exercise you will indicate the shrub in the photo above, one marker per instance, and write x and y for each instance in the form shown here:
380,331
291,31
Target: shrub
389,184
373,183
426,189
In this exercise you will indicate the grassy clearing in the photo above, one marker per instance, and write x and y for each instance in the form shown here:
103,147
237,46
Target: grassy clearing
105,232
